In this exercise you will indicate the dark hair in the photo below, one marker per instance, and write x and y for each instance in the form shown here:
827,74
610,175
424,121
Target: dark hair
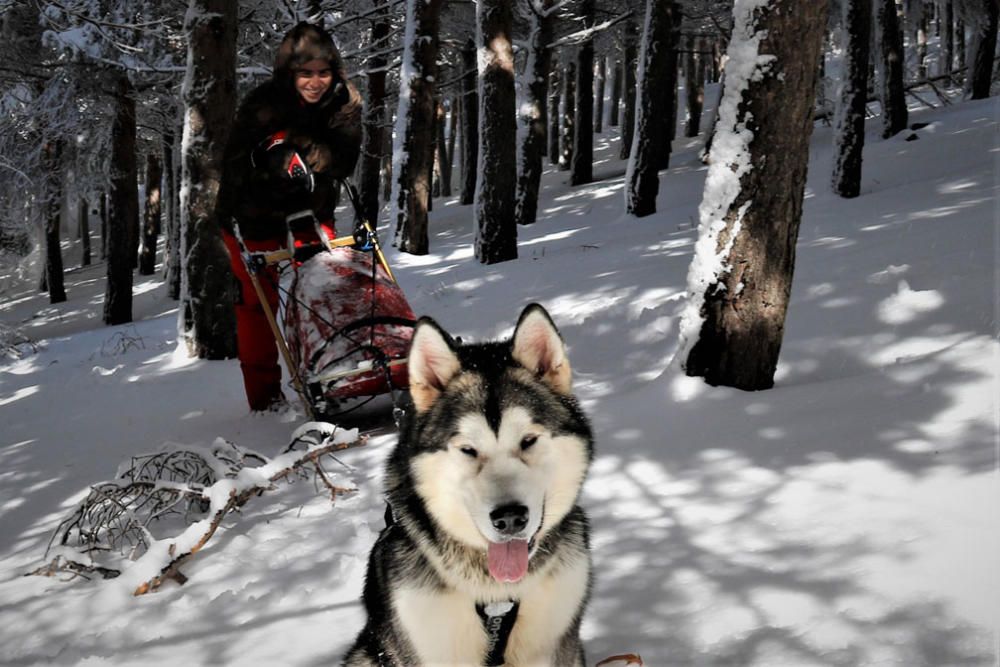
303,43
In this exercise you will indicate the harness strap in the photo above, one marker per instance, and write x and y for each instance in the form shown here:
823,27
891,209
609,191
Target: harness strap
498,620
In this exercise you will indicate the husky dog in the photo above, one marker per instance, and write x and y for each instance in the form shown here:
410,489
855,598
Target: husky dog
485,556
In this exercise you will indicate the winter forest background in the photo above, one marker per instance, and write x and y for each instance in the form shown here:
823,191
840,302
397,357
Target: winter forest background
654,173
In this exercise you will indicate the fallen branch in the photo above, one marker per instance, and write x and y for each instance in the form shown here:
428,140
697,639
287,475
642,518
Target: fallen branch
111,527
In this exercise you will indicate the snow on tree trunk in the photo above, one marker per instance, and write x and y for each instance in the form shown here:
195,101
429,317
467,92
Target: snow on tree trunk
849,128
209,91
123,205
374,116
741,274
555,103
567,130
83,222
599,84
891,92
642,180
985,45
470,123
413,146
582,161
694,72
628,116
52,160
151,219
534,115
496,231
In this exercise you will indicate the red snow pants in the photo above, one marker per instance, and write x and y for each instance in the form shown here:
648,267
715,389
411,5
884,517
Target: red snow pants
255,345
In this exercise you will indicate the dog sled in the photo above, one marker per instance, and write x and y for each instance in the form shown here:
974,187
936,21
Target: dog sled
343,325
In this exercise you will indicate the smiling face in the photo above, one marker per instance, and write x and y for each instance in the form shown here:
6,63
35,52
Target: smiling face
313,79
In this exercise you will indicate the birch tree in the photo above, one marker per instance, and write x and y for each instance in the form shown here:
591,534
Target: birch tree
496,231
741,275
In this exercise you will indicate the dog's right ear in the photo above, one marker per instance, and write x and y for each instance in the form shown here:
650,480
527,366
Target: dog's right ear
432,363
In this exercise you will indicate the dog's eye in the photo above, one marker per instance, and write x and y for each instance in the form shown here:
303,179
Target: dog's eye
528,441
469,451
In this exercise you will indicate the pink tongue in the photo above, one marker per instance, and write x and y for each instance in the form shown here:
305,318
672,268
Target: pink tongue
508,561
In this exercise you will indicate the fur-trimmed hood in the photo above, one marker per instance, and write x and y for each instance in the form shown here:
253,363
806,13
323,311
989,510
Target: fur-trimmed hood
303,43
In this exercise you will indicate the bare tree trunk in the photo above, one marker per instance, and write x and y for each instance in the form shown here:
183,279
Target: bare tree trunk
628,117
894,113
449,163
374,122
642,180
948,39
440,153
921,21
52,159
151,219
616,93
470,123
123,205
582,162
415,128
496,231
535,117
602,73
173,245
555,103
695,85
985,31
209,90
741,275
103,209
567,131
669,90
83,224
960,49
850,126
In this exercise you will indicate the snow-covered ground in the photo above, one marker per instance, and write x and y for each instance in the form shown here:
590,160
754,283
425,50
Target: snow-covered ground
848,516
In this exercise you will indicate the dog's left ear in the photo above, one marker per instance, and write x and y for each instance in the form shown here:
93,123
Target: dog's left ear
538,347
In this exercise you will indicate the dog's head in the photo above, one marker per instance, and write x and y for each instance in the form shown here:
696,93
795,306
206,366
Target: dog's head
497,446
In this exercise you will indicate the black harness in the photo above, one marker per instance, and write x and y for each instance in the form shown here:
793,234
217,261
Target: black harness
498,617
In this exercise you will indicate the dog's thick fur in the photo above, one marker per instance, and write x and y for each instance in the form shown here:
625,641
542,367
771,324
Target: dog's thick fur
491,427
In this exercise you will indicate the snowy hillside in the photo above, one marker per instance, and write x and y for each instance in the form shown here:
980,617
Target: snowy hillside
848,516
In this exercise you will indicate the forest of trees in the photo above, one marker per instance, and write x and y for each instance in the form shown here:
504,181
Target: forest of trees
113,114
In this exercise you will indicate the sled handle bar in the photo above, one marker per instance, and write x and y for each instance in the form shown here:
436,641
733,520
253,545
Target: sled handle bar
275,256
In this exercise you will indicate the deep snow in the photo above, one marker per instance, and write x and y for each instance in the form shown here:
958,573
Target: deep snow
848,516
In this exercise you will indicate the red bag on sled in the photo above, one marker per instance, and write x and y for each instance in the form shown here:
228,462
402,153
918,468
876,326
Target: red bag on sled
348,334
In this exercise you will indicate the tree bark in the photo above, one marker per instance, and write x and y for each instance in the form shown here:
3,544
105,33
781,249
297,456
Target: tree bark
668,85
948,39
440,154
985,41
83,223
151,219
103,212
567,129
602,73
695,86
850,125
415,119
52,159
582,163
555,103
628,116
173,244
123,205
642,180
449,163
753,203
374,117
496,231
892,94
616,94
535,116
470,123
209,92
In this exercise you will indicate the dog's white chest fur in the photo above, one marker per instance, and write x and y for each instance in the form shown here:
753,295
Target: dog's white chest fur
445,629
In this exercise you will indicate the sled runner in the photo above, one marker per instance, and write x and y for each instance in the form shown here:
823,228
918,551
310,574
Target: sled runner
343,325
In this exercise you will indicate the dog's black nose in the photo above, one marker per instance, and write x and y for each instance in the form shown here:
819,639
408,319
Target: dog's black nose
509,519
